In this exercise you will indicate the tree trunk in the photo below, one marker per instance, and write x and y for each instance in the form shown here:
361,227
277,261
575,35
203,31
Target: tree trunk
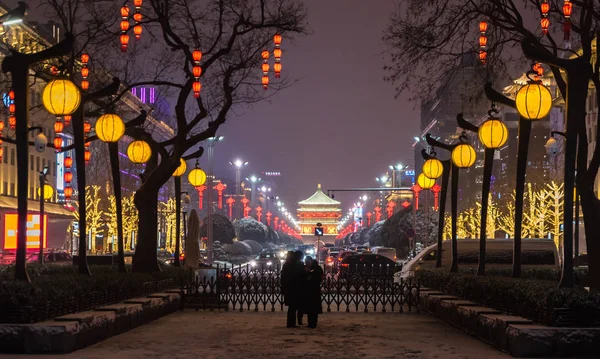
590,206
145,257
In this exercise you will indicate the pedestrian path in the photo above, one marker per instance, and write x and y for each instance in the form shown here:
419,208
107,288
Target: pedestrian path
205,334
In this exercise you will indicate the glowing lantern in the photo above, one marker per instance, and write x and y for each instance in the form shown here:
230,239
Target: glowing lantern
493,133
137,3
265,82
197,71
181,169
197,55
567,11
58,143
85,58
48,191
537,67
265,68
463,155
137,30
110,128
124,25
58,126
85,85
277,39
139,151
67,119
68,162
433,168
12,108
125,12
54,70
68,191
197,177
68,177
87,155
483,56
137,17
87,127
277,69
545,23
124,42
425,182
545,7
85,72
483,41
277,54
1,128
61,97
533,101
197,86
87,144
483,26
265,54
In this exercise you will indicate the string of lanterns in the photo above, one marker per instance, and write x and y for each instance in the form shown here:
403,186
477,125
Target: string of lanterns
483,26
197,72
545,21
124,25
277,67
567,10
12,120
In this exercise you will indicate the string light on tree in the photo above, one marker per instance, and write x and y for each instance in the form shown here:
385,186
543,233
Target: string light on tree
545,21
483,26
567,10
265,78
277,55
124,27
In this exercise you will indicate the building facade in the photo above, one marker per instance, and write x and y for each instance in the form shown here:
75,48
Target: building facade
319,208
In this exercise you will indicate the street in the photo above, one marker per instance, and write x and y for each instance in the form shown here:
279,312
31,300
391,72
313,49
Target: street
192,334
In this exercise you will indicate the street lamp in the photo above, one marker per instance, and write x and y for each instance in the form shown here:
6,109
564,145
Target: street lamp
253,181
212,141
45,193
179,171
238,164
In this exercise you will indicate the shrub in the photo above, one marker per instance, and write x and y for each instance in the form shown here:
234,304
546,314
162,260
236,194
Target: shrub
530,298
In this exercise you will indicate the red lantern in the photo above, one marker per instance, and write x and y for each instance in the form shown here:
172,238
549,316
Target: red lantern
197,86
11,94
124,25
12,122
436,195
137,17
124,42
545,7
1,128
483,41
483,56
68,162
85,72
87,155
85,58
258,210
483,26
567,11
245,201
230,202
277,68
58,126
87,127
265,68
277,39
277,54
197,71
137,30
125,12
220,187
197,55
545,23
85,85
12,108
269,215
58,143
201,190
68,191
67,120
265,82
137,3
68,177
87,144
265,54
1,152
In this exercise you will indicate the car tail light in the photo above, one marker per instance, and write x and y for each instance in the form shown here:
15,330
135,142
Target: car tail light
228,275
344,264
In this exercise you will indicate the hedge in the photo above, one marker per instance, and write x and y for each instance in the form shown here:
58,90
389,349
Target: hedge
529,298
55,291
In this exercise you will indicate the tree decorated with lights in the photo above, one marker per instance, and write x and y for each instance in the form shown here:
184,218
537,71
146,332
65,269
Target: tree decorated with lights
94,213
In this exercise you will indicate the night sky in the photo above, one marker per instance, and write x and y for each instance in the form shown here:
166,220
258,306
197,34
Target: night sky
340,125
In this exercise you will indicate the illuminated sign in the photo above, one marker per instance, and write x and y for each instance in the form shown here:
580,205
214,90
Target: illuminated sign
33,231
60,171
272,173
409,172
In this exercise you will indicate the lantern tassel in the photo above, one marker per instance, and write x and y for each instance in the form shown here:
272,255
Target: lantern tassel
567,30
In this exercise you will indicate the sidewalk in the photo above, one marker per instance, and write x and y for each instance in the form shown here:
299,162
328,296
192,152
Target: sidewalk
263,335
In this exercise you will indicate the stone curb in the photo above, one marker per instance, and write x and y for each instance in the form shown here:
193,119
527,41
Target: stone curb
515,335
75,331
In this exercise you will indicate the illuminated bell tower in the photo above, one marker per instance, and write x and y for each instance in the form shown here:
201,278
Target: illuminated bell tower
319,208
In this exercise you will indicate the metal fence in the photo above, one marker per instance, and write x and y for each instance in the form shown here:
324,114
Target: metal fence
361,288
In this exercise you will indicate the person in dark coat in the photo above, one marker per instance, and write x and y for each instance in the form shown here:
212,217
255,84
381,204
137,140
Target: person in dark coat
312,302
302,296
292,278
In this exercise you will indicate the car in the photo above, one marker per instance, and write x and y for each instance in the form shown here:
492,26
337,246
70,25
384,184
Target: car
332,260
265,261
366,264
386,251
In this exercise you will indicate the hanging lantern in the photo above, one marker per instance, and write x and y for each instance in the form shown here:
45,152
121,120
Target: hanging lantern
85,85
265,54
197,71
277,39
85,72
197,86
483,41
85,58
265,69
545,21
68,162
139,152
68,177
433,168
1,128
87,144
567,10
87,155
124,42
137,4
125,12
277,54
110,128
48,191
61,97
493,133
137,17
124,25
58,143
181,169
68,192
483,26
137,30
58,126
265,82
12,108
277,69
67,119
463,155
1,153
533,101
483,56
537,67
87,127
197,177
197,55
425,182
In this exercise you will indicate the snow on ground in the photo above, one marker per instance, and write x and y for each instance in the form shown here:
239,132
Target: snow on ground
205,334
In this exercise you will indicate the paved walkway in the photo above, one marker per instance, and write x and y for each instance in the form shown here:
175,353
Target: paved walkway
192,334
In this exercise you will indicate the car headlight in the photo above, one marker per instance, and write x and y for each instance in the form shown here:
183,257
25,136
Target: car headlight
269,263
253,263
282,254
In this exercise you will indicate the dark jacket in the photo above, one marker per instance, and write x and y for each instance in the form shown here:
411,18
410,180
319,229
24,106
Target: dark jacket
312,297
293,277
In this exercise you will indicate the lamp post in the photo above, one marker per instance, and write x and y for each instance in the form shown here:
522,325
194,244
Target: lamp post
397,168
253,181
431,168
177,179
238,164
45,193
209,222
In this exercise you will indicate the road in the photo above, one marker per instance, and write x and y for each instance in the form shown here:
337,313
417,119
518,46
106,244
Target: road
263,335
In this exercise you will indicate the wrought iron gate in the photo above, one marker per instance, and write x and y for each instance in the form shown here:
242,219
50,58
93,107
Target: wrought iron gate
245,288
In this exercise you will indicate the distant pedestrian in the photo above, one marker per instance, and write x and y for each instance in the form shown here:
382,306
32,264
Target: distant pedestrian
292,280
312,302
303,292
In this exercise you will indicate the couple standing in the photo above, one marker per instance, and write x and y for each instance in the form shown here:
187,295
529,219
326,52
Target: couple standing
301,288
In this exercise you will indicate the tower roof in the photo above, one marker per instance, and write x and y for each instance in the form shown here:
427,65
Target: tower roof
319,198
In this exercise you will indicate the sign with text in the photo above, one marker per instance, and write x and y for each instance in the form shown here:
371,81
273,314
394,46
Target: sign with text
33,231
